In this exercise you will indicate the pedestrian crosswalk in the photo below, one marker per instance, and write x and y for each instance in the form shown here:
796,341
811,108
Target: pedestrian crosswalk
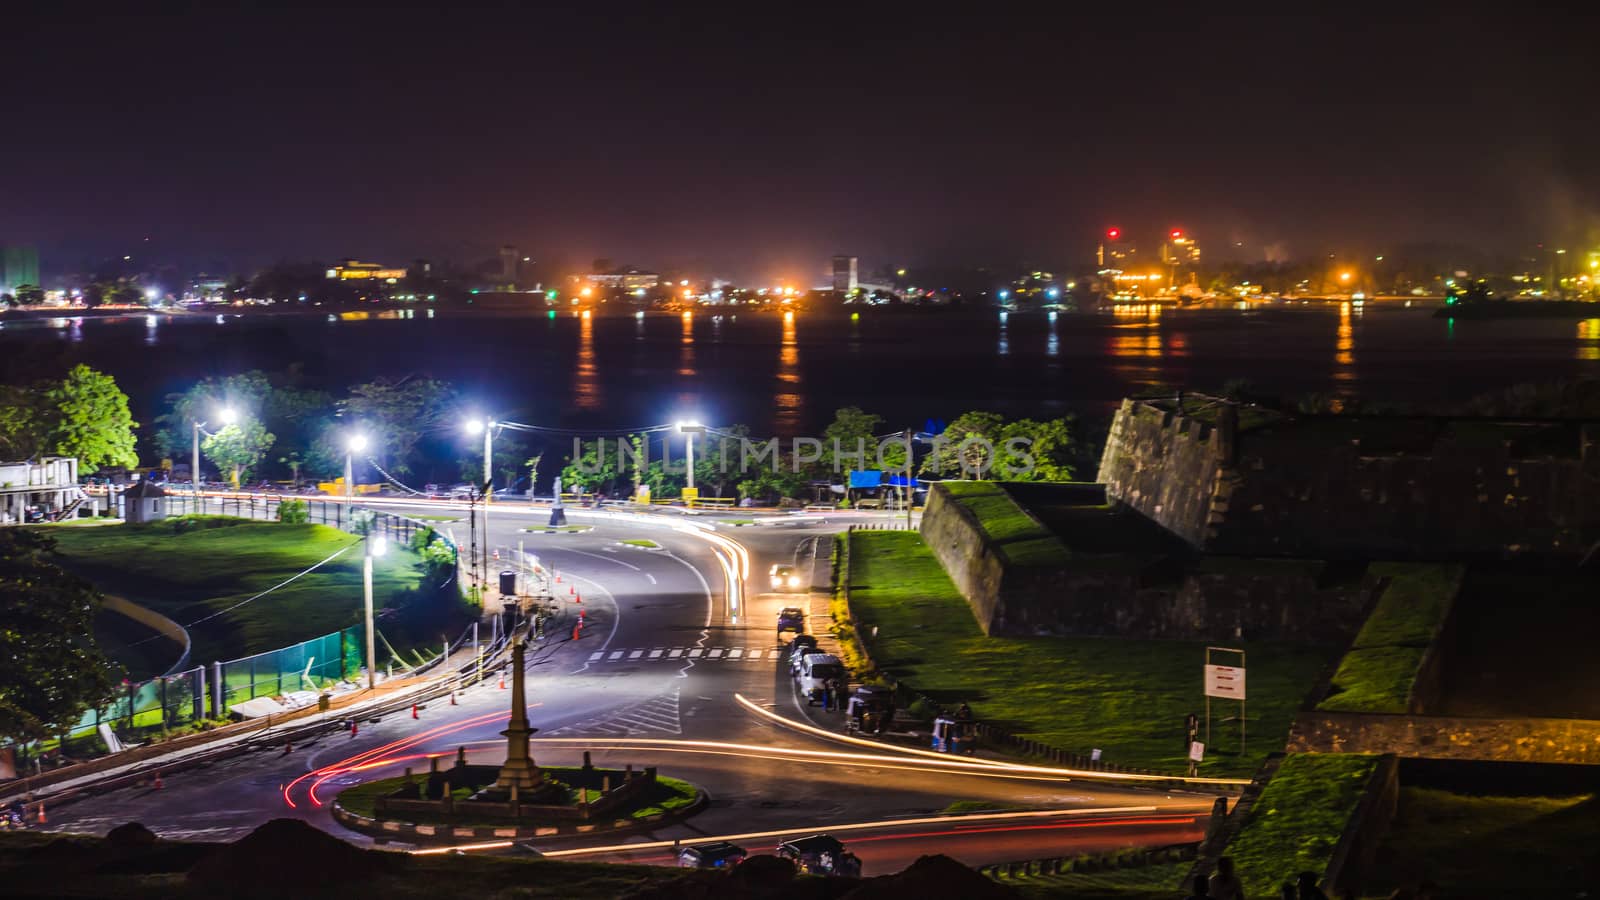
679,654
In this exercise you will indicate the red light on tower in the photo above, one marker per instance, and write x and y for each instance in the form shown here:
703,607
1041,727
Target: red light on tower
1177,234
1113,233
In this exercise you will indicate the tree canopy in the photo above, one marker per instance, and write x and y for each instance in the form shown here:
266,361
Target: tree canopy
51,671
83,415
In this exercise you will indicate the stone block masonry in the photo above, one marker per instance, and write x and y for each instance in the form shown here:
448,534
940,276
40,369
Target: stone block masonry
1356,487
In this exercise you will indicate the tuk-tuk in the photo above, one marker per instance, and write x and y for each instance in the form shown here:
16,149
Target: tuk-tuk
953,735
821,854
871,709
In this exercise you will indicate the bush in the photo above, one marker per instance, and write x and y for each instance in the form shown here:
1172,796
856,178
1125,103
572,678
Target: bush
294,512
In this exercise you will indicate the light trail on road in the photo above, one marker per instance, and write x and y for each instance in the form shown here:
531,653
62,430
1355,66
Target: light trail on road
1109,814
997,764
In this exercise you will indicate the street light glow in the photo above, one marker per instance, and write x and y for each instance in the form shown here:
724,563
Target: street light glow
228,415
473,426
1344,276
357,443
380,545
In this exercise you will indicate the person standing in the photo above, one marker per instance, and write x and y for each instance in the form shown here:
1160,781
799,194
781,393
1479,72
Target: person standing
1225,883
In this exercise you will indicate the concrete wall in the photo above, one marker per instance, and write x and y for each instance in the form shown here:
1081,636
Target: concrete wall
1532,740
1346,486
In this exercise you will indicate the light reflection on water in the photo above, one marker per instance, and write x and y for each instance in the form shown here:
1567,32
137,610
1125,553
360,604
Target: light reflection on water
1589,339
788,401
586,380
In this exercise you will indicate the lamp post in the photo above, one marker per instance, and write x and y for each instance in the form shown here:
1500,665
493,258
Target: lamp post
228,417
689,430
356,443
485,425
375,545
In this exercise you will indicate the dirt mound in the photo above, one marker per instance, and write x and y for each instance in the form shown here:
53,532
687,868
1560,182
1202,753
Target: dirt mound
932,878
130,836
275,858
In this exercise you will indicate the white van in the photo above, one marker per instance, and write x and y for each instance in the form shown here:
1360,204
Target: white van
816,670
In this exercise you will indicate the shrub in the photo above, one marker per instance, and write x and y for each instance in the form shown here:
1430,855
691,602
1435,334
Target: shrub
294,512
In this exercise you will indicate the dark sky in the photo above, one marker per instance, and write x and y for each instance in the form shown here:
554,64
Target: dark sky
756,147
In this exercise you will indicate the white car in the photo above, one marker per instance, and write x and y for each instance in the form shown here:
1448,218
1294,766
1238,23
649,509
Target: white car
816,670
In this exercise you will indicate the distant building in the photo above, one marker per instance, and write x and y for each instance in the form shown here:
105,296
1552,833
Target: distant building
510,264
38,491
624,279
18,266
845,276
355,269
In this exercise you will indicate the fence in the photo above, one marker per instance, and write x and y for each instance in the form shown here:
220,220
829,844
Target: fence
159,704
305,666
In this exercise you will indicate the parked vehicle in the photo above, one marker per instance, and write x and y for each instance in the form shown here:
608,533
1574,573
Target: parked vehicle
816,670
798,653
821,854
792,618
871,709
715,855
955,735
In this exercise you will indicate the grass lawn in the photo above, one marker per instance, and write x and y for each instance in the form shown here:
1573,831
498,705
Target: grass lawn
559,529
1378,672
641,542
1125,697
1022,540
1296,822
669,794
1489,846
188,568
141,650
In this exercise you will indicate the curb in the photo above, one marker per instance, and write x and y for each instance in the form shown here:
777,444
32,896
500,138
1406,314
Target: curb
391,829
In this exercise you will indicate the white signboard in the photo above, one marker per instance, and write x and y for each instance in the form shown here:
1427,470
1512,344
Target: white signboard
1225,682
1197,751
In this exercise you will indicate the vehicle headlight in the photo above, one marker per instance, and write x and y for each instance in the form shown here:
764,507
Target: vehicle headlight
794,581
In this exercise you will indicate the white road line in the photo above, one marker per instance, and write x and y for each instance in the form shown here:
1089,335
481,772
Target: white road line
656,654
598,556
714,653
735,653
651,577
617,654
636,654
676,652
596,655
695,653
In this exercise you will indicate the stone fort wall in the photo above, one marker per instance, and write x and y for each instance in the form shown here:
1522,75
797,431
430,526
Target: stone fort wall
1349,486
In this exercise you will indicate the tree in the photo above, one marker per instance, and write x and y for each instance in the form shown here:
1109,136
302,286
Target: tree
395,414
1035,451
87,417
595,468
960,450
851,430
237,447
29,295
21,431
51,671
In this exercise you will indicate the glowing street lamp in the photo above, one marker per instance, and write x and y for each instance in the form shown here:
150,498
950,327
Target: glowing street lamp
689,429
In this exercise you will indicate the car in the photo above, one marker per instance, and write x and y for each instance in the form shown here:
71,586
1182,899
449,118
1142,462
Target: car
820,854
785,578
792,618
715,855
798,655
816,671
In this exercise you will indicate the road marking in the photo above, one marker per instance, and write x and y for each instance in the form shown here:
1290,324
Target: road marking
676,652
735,653
596,656
714,653
695,653
617,654
598,556
651,577
636,654
656,654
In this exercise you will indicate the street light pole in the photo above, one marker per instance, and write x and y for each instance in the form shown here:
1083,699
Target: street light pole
370,551
194,476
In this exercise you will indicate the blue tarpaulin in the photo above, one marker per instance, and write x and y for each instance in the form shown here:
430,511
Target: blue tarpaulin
870,478
901,481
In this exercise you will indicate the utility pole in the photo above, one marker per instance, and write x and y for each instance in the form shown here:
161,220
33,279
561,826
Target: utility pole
370,551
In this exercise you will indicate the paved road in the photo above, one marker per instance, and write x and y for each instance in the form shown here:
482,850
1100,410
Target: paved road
665,649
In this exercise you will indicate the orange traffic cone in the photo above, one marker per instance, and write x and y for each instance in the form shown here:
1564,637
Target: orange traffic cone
354,727
42,819
413,710
558,576
572,589
578,598
577,630
452,698
502,679
159,784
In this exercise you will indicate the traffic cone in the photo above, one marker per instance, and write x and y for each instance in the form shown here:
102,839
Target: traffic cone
288,747
572,589
580,615
42,819
413,710
557,574
502,679
159,784
576,631
452,698
497,554
354,727
578,597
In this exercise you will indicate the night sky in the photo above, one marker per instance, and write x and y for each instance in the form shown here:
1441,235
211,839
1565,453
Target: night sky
759,146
